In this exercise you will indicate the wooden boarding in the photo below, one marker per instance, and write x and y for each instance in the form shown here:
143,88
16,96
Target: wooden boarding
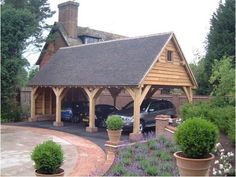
172,73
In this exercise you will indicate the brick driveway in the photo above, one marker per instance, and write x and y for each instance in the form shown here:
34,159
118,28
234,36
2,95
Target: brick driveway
78,129
82,157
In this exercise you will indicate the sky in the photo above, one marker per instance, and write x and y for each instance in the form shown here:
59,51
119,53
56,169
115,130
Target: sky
188,19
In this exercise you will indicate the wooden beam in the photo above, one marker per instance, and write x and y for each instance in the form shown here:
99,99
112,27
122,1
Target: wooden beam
144,93
189,94
114,93
151,92
131,92
63,94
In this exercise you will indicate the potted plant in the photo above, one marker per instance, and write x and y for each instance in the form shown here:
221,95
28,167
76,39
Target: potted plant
114,128
48,158
196,138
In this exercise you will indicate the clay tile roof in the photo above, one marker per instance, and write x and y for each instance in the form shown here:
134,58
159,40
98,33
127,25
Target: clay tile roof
112,63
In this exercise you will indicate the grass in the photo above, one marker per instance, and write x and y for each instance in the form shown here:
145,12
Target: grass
153,158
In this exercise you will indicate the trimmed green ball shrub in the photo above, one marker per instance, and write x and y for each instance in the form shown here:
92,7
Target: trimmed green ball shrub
48,157
114,123
196,137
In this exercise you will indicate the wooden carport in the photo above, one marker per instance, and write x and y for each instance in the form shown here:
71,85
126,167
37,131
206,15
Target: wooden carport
138,65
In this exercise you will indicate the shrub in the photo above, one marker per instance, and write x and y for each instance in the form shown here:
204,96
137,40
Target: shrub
118,170
48,157
144,163
222,117
196,137
127,161
114,123
152,144
151,170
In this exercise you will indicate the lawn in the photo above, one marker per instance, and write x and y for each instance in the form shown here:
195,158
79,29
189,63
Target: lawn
151,158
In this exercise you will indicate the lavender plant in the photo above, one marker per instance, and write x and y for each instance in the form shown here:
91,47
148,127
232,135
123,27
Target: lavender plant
153,158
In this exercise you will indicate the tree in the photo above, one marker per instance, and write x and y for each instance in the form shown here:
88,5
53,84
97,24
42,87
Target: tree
223,80
32,72
201,77
20,21
220,40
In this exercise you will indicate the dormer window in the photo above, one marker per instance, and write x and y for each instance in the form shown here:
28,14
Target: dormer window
169,56
89,39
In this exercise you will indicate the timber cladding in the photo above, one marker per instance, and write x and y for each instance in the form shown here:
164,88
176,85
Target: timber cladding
169,73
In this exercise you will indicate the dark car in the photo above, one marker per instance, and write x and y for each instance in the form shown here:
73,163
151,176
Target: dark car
73,111
101,112
149,109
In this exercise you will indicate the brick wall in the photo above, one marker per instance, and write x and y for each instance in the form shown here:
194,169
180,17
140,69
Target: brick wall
51,49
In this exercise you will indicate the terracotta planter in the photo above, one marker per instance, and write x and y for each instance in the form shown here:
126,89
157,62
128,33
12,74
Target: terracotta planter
114,136
59,173
193,167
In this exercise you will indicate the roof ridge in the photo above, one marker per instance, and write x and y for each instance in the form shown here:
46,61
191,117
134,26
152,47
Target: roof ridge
98,30
121,39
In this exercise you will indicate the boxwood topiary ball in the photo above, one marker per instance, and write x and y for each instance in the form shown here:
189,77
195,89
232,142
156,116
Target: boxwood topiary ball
114,123
48,157
196,137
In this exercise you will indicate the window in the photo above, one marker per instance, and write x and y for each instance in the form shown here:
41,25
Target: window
89,39
169,55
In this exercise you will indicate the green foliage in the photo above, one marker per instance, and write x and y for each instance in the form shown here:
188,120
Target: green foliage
118,170
127,161
201,76
223,78
114,123
144,164
222,116
141,159
220,43
48,157
22,22
220,40
33,72
40,11
196,137
14,115
151,170
127,153
152,144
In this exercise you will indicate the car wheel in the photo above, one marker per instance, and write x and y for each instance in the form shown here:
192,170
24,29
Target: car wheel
141,126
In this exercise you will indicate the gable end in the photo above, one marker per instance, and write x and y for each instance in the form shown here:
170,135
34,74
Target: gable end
170,73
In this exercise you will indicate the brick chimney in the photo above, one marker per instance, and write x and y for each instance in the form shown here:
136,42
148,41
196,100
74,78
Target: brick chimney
68,16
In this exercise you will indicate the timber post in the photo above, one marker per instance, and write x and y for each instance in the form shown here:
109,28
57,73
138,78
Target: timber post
93,94
34,96
59,96
138,95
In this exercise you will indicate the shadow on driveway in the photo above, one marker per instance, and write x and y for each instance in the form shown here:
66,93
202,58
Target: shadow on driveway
78,129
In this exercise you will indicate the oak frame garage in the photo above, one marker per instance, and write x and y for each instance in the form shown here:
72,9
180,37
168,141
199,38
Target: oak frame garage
139,65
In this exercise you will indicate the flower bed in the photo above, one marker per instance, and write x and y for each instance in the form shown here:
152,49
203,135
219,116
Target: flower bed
152,158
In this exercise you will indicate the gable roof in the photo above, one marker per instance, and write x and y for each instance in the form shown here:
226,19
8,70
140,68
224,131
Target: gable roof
81,31
112,63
